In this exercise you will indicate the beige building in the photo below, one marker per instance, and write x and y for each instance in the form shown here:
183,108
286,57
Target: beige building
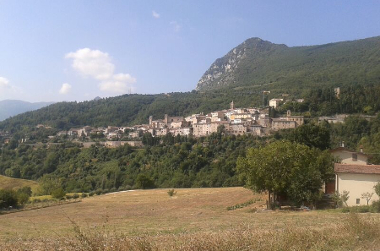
205,129
283,123
357,180
183,131
345,156
237,129
275,102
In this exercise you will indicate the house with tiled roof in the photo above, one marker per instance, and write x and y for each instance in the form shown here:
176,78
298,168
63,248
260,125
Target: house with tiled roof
354,175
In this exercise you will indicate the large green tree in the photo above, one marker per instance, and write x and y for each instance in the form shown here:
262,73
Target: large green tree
286,169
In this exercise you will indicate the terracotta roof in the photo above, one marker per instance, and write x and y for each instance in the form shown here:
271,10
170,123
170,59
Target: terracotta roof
360,169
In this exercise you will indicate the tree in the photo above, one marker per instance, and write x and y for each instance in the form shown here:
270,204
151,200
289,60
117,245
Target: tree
377,189
58,193
286,169
312,135
144,182
367,196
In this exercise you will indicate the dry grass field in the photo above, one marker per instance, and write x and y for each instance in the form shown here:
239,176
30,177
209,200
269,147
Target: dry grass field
193,219
12,183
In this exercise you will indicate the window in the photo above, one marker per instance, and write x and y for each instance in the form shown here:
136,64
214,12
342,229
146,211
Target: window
354,157
357,201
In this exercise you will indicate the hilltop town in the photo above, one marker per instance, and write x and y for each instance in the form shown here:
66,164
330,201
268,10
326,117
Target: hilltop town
232,121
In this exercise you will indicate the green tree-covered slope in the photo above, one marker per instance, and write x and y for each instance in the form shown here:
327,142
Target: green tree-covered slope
256,62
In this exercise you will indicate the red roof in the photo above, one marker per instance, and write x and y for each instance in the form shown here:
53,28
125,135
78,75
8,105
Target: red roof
360,169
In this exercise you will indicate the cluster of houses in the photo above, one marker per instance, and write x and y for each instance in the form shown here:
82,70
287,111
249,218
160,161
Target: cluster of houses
233,121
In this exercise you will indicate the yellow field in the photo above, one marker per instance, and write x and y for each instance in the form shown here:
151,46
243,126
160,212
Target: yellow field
12,183
153,214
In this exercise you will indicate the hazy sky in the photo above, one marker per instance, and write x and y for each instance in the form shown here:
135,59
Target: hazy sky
65,50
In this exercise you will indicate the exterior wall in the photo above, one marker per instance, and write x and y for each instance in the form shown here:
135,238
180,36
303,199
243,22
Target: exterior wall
298,119
357,184
237,129
174,119
283,124
175,124
184,131
275,102
345,157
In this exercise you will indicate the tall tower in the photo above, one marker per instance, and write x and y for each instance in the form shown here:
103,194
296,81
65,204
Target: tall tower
150,120
232,105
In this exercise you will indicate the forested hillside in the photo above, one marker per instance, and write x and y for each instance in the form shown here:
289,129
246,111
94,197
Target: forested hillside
136,109
171,161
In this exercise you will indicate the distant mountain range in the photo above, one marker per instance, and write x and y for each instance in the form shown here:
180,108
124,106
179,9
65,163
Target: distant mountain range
9,108
262,64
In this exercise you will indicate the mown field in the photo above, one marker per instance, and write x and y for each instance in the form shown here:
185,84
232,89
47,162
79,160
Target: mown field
192,219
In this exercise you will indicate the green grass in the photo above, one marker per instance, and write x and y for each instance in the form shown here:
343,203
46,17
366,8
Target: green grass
13,183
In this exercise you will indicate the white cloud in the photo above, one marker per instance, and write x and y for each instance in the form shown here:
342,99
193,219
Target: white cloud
176,26
120,83
92,63
97,65
9,91
65,89
4,83
155,14
125,78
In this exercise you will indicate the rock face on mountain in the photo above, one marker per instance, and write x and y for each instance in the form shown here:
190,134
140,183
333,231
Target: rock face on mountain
256,62
223,71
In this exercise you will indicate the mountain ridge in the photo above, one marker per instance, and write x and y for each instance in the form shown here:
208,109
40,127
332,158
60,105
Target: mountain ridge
10,108
260,62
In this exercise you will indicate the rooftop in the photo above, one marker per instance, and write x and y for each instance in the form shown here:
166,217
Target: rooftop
359,169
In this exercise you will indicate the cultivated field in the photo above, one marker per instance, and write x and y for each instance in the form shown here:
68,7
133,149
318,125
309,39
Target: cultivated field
193,219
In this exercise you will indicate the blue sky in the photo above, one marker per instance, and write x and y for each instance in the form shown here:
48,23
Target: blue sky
76,49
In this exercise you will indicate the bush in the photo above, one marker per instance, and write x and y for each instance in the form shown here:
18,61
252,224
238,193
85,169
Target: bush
98,191
58,193
69,197
356,209
84,195
75,196
172,192
8,198
91,193
375,207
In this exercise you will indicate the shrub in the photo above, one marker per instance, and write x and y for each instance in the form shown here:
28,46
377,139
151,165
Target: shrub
69,197
172,192
8,198
84,195
98,191
58,193
356,209
91,193
375,207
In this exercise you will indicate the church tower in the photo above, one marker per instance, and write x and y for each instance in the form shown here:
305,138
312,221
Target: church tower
232,105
